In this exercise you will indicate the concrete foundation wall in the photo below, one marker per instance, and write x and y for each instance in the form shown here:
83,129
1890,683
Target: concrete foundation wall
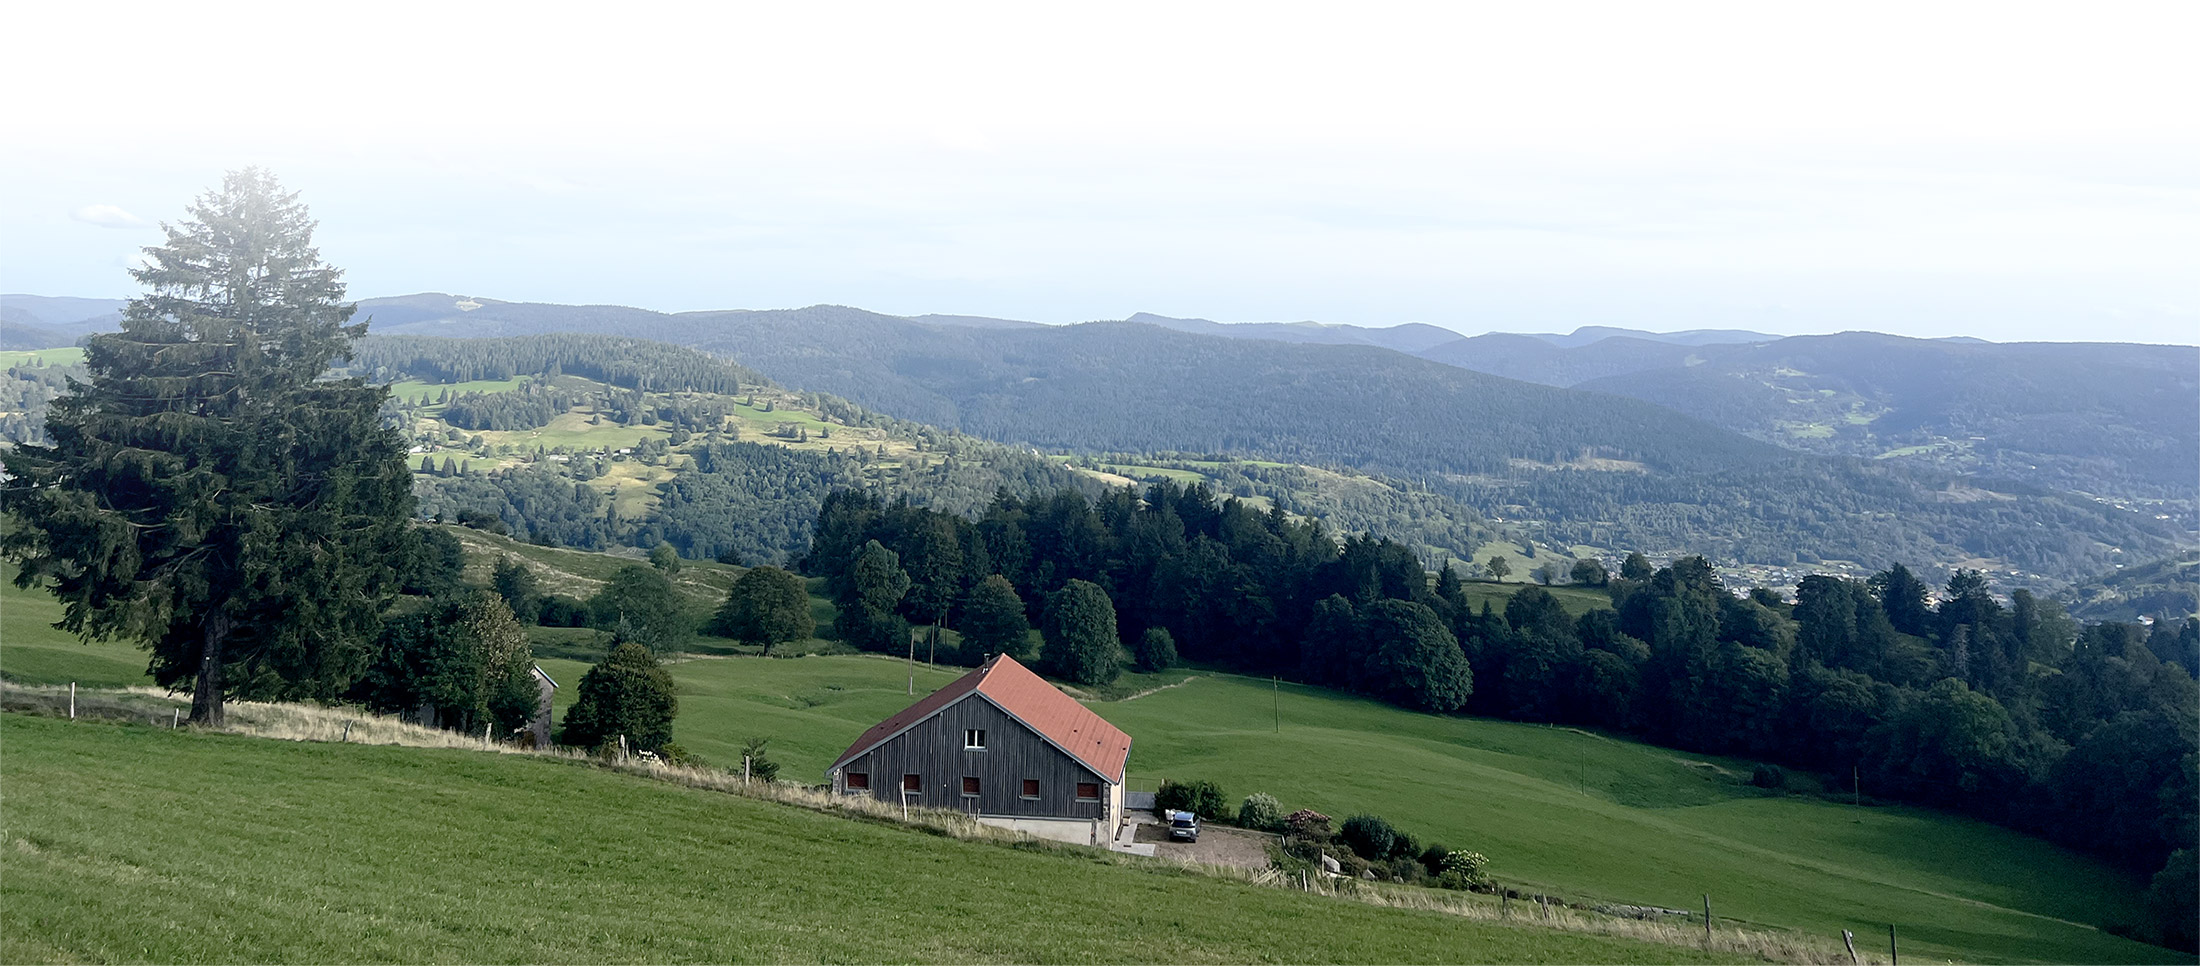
1075,831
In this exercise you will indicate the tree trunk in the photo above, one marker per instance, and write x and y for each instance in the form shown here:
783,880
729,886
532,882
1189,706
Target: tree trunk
206,693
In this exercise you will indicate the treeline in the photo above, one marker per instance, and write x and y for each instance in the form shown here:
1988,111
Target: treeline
528,407
626,363
2010,712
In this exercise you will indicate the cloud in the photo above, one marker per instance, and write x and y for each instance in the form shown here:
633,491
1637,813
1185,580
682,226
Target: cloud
109,216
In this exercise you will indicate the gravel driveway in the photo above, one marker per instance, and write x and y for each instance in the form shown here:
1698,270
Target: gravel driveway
1216,846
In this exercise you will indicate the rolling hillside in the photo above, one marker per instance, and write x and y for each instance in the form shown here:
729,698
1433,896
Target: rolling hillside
356,853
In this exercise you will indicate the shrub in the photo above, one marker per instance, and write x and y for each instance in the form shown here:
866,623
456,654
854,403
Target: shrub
1403,869
1432,859
1307,824
761,768
1199,797
1768,776
1465,870
1260,813
1368,836
559,610
1156,650
1404,846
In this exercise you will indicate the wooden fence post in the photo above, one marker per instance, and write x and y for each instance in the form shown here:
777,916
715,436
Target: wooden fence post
1893,951
347,730
72,701
1707,919
1849,939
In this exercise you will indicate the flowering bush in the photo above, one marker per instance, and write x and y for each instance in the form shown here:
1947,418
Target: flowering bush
1465,870
1307,823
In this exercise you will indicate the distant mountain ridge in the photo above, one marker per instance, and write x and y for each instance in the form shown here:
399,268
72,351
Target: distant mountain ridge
48,322
1673,448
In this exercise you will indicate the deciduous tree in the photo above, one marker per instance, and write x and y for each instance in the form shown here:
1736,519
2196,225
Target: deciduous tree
993,621
1080,634
627,693
766,607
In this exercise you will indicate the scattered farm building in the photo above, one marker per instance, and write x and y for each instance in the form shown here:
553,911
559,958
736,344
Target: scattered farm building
1003,745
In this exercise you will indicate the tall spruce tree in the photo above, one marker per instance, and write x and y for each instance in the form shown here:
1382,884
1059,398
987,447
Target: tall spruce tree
205,495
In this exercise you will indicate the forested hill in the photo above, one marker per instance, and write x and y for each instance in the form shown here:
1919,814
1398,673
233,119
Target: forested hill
1130,387
1577,469
2111,419
1119,386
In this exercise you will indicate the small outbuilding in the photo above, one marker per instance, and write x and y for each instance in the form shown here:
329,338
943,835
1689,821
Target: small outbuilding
1003,745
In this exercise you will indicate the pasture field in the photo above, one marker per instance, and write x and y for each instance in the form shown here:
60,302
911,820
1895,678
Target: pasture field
140,844
1571,812
68,356
33,652
1574,813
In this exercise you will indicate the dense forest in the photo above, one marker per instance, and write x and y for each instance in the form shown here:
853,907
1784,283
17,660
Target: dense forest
2009,711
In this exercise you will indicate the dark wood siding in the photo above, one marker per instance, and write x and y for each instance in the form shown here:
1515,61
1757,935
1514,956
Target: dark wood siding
933,749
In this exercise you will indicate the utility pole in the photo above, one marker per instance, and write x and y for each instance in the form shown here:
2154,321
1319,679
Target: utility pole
1277,687
1856,787
912,665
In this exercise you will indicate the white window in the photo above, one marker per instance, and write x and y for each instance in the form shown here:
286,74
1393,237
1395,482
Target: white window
974,739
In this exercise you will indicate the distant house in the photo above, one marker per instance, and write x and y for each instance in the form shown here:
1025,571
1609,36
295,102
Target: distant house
1002,744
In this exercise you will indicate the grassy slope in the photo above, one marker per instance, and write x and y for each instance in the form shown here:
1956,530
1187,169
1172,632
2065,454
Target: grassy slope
240,849
1580,814
1577,813
32,651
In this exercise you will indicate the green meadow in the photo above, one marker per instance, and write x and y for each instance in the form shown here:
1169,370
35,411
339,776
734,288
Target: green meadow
126,843
1558,810
41,357
1577,814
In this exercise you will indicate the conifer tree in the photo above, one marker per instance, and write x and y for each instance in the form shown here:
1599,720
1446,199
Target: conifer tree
205,495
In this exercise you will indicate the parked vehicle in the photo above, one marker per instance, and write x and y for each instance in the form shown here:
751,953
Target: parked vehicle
1183,827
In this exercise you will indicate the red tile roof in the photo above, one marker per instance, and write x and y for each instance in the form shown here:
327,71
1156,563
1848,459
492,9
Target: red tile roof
1042,707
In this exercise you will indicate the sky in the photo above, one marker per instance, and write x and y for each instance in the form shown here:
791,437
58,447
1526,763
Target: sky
2010,172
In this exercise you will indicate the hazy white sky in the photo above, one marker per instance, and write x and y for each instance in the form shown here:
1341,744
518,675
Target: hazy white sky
1998,170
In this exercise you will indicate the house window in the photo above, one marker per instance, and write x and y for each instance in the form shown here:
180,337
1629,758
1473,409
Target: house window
974,739
1031,788
859,780
912,783
970,786
1088,791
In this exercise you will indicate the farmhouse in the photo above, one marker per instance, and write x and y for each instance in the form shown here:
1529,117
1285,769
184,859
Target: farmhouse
1002,744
